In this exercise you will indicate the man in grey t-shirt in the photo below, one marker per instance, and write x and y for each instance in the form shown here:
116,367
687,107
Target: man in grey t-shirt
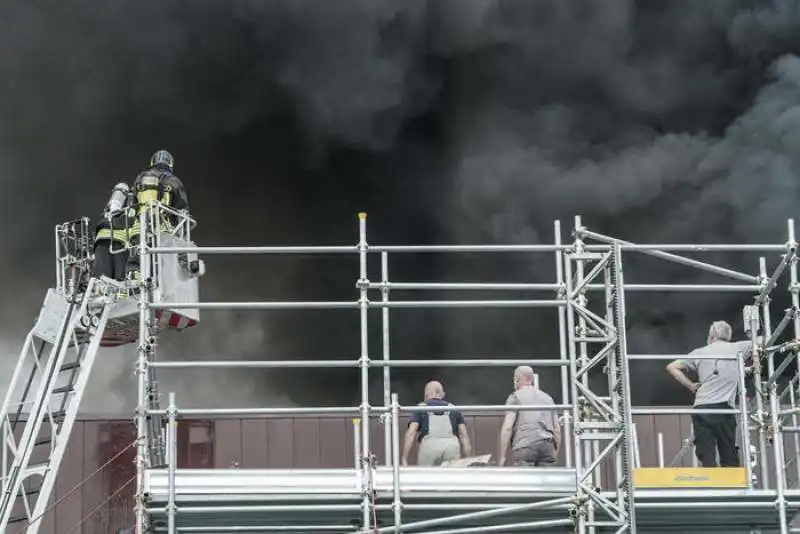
716,388
534,435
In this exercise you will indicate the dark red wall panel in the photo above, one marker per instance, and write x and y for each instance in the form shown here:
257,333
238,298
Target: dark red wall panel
271,442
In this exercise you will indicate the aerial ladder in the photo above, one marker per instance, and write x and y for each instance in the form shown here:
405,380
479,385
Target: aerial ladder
81,314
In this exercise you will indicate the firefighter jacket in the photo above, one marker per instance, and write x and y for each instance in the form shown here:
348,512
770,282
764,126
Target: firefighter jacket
117,228
157,184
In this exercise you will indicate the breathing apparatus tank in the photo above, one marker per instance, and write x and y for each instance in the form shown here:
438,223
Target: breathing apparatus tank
118,200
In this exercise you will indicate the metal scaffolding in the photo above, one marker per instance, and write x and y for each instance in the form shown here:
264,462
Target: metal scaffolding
598,428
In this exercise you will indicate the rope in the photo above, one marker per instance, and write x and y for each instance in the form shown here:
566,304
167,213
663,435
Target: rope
97,508
78,485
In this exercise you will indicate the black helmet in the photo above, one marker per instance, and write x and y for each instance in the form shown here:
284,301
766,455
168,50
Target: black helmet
162,157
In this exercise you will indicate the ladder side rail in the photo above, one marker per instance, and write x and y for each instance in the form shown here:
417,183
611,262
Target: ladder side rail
36,418
39,346
61,439
14,480
28,346
8,402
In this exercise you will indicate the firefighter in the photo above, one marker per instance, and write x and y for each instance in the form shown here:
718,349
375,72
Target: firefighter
156,183
111,236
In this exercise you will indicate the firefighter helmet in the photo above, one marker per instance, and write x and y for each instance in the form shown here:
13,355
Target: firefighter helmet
162,157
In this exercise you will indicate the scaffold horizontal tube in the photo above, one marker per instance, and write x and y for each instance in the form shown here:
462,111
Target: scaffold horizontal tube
279,364
690,247
483,514
679,288
483,408
511,527
488,286
469,304
683,411
252,364
348,249
458,286
657,357
483,362
659,253
276,528
268,508
328,410
265,305
355,304
465,248
682,504
351,410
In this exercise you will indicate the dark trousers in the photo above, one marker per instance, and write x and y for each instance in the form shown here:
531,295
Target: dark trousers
113,266
715,432
539,454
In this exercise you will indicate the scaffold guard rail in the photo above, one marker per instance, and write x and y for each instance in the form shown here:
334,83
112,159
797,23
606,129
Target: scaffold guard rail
588,296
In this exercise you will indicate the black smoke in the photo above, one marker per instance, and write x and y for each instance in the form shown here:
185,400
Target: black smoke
448,121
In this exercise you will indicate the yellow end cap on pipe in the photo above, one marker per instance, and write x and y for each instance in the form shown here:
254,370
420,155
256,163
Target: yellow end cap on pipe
362,215
356,421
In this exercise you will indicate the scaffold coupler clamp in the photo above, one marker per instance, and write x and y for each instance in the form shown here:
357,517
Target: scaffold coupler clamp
368,476
362,284
385,418
577,508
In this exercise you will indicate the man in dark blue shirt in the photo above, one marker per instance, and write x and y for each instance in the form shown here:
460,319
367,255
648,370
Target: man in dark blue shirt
440,434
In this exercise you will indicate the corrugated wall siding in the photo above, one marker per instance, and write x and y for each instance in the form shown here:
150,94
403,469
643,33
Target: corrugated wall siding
106,497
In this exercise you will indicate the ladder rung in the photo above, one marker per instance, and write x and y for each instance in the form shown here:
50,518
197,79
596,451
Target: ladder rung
58,417
30,492
17,519
43,441
70,366
37,468
64,389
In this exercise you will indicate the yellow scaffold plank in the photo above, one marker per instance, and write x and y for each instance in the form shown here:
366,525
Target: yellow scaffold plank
690,477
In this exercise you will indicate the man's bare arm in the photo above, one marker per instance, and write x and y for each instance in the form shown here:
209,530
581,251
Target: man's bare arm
463,437
505,436
408,442
678,371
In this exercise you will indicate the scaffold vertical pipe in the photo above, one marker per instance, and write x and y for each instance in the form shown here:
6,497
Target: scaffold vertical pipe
387,382
357,444
581,496
397,504
794,291
744,427
363,305
172,458
142,374
562,343
774,409
588,446
625,384
766,481
759,409
613,379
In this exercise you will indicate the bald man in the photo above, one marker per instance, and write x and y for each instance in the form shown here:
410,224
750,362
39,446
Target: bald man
440,434
534,435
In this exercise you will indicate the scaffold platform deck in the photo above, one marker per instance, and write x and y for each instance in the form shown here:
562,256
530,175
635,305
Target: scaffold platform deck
316,500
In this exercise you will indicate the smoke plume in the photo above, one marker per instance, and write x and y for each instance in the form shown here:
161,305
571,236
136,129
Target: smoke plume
448,121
